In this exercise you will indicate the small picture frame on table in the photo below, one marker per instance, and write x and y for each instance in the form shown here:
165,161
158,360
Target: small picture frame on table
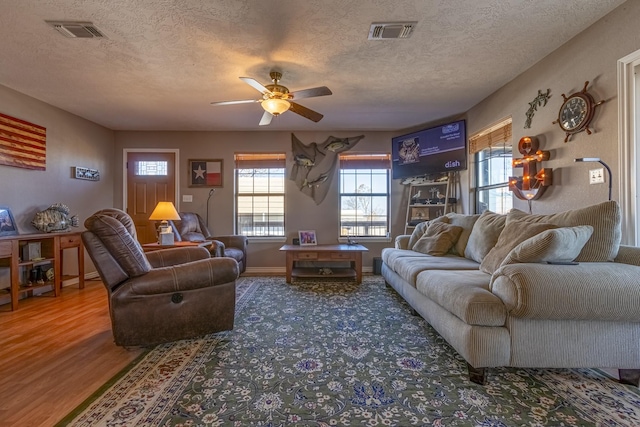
205,173
7,223
307,237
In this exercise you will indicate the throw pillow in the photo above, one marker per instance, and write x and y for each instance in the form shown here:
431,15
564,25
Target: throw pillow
421,228
438,239
560,244
484,235
466,222
514,233
605,218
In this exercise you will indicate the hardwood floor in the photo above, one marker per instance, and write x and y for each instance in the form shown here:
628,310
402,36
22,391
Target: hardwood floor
54,353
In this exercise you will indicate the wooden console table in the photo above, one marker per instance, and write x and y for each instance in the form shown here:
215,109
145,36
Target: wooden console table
348,253
52,246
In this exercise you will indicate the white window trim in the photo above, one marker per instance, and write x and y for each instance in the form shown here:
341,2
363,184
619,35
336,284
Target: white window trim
628,148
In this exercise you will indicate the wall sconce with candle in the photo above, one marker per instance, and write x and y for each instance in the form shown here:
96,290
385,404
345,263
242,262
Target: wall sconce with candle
532,183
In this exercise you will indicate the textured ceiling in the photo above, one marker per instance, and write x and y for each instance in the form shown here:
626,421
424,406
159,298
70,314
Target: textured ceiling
164,61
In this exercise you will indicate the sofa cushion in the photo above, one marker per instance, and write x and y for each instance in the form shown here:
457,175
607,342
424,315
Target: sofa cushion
514,233
484,235
391,255
465,294
605,218
562,244
466,222
421,228
438,239
408,267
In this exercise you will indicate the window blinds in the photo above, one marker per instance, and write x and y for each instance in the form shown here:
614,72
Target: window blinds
260,160
365,161
497,134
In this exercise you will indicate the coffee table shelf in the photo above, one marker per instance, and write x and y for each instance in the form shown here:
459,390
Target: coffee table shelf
308,272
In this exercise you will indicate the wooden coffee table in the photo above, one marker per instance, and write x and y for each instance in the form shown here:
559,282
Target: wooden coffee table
347,253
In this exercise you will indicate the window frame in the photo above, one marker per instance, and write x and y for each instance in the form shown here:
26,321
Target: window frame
367,163
259,161
497,137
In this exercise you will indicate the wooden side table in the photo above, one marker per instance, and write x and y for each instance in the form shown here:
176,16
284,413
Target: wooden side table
52,246
348,253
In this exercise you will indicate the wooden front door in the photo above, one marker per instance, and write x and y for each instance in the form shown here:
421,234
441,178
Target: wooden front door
150,179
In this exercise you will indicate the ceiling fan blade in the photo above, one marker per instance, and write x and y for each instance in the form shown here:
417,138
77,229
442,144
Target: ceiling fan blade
246,101
256,85
309,93
305,112
266,118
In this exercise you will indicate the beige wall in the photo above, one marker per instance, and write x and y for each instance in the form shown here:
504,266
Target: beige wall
301,211
71,141
592,56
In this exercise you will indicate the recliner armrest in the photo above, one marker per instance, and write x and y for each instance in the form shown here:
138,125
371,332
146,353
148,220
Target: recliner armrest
195,275
232,241
176,256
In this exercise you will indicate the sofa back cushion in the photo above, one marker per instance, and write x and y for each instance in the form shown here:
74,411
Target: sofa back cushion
466,222
514,233
438,239
421,228
605,218
484,235
557,245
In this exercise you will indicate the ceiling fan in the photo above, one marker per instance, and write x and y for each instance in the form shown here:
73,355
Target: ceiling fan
276,99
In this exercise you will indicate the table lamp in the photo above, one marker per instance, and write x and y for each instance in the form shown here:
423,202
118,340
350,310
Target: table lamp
164,212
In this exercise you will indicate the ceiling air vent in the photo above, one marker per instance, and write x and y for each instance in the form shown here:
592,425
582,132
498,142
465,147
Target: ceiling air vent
391,30
81,30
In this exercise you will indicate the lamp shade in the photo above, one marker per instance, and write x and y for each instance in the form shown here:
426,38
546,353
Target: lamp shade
164,211
275,106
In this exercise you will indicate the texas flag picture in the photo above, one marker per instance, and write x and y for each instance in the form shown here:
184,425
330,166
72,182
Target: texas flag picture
206,173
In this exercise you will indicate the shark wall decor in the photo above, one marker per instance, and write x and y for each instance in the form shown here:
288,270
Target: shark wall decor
314,165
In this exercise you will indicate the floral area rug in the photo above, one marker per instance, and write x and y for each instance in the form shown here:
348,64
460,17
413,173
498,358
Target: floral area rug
323,353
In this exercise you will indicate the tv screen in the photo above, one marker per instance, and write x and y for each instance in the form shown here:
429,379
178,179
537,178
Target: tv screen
430,151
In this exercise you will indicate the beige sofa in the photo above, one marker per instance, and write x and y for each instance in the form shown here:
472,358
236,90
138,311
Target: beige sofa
485,284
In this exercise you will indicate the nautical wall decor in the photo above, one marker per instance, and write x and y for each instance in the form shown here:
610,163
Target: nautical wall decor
538,101
576,112
314,164
532,183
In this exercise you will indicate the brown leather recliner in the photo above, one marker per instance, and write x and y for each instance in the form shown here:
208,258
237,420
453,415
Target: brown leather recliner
192,228
160,296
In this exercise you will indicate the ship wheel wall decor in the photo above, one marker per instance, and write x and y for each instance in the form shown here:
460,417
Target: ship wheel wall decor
576,112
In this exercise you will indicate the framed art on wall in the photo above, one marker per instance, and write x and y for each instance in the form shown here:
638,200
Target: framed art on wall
205,172
7,223
307,237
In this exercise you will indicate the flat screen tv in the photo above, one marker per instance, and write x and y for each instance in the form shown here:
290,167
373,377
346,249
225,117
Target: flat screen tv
430,151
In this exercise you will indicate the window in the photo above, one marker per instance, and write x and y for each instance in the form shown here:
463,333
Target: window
260,194
148,168
364,195
493,153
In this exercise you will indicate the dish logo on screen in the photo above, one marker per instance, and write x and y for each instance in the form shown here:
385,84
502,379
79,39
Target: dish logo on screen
452,164
454,127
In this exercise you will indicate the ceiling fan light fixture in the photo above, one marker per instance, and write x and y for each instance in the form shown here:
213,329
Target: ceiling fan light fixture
276,106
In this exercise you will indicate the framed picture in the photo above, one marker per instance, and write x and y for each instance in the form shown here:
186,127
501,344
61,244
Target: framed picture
307,237
205,172
7,223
